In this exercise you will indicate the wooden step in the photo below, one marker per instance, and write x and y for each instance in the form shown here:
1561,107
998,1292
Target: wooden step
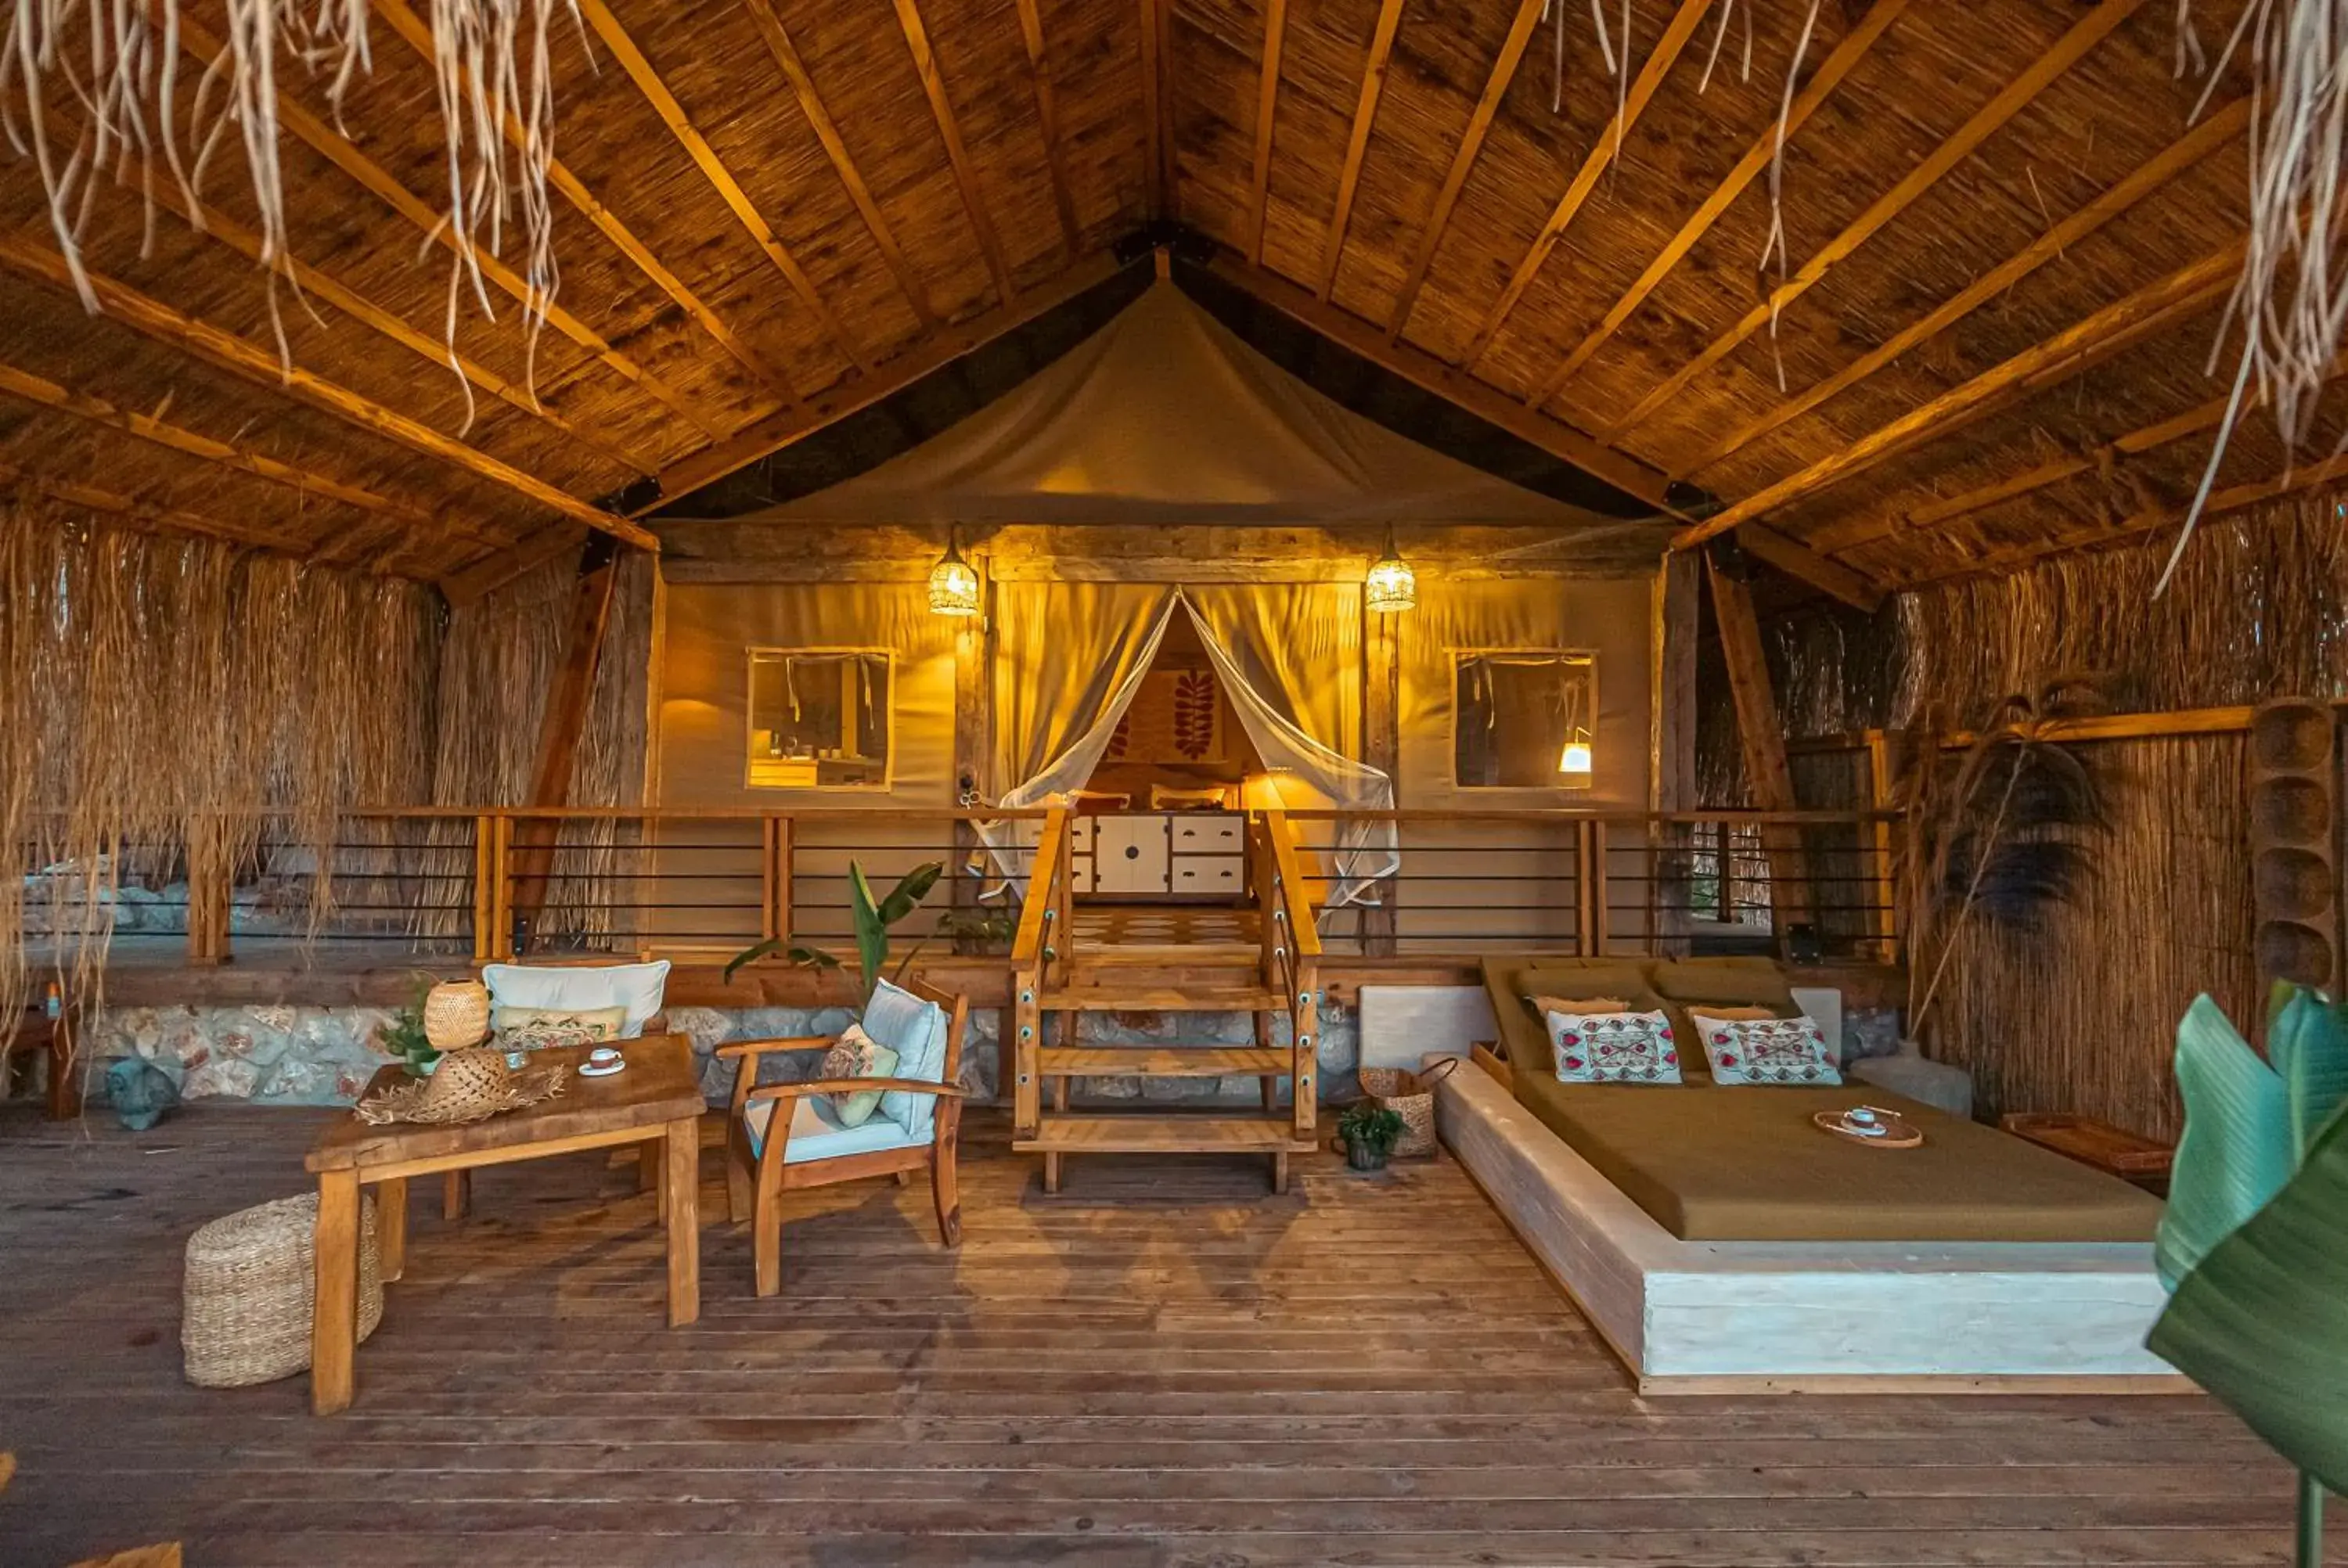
1200,1061
1162,1135
1152,998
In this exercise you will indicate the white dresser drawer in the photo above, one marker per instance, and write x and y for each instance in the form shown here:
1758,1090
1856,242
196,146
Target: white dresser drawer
1199,833
1210,874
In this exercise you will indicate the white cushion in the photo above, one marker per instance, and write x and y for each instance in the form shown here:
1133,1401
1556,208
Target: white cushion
1613,1047
916,1031
636,987
1765,1050
815,1136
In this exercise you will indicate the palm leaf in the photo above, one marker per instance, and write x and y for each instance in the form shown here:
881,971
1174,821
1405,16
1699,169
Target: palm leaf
2261,1322
2307,1040
2236,1153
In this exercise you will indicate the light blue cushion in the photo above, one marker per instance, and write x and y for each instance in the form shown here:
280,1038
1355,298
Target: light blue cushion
816,1136
916,1031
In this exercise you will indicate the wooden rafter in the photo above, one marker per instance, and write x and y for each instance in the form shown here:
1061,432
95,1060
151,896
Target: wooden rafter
939,349
338,151
2010,100
562,726
2194,421
1047,121
965,173
411,27
2155,307
2149,177
1463,158
1358,143
1796,560
705,158
1157,109
1267,102
819,115
171,519
1839,64
1768,774
1593,164
200,340
1368,340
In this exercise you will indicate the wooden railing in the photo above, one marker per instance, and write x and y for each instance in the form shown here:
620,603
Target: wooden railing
1040,953
1291,950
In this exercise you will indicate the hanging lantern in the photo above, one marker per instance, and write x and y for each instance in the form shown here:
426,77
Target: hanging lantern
954,583
1575,763
1391,585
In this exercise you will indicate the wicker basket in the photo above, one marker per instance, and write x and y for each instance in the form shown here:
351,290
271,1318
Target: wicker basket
456,1015
250,1284
1410,1096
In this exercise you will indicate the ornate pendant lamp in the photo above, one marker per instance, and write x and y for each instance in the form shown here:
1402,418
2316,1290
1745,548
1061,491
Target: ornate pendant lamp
953,582
1390,586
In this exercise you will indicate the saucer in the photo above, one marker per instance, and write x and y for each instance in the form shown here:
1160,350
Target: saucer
589,1070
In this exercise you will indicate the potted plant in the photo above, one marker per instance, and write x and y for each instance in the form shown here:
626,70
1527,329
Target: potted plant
1369,1132
873,916
402,1037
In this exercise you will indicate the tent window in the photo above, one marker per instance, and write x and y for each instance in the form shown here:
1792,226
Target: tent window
821,718
1523,719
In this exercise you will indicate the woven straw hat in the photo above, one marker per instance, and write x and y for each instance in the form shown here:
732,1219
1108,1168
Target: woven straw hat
466,1086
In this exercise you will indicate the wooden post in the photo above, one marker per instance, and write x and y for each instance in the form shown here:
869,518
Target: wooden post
775,878
1676,623
562,724
974,702
65,1060
1381,749
1772,777
1881,796
487,869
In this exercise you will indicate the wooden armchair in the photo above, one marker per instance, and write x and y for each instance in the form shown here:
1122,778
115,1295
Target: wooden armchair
776,1141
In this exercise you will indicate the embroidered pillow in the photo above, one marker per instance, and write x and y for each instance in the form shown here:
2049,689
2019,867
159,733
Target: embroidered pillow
1766,1050
1613,1048
856,1054
538,1028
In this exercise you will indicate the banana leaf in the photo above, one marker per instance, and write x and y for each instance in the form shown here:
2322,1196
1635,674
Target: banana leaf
2237,1150
873,916
2262,1321
2307,1041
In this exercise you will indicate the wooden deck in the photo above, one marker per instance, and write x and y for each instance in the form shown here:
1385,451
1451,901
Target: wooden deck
1162,1367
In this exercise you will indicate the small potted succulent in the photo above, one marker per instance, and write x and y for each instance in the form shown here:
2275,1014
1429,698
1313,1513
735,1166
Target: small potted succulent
1369,1132
402,1037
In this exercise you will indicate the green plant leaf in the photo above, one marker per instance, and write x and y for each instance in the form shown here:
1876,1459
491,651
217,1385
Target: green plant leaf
871,930
2307,1041
2236,1153
751,955
2262,1321
910,891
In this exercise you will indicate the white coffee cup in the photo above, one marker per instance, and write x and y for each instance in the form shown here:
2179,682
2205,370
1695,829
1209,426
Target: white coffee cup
605,1056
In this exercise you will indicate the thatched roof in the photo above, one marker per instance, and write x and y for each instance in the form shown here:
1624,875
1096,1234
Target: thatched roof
778,226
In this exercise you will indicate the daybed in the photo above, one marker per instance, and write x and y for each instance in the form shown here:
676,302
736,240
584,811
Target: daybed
1719,1239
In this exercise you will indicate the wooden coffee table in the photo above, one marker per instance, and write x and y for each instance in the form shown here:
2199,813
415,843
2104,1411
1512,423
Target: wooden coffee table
2111,1150
656,1099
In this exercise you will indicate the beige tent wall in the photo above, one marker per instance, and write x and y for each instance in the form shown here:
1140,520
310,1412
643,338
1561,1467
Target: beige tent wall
1490,887
708,888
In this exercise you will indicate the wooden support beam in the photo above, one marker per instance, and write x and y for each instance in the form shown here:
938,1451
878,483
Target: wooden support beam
2184,294
819,115
1157,109
411,27
1463,159
480,578
1766,544
1479,398
1267,102
338,151
705,158
1667,48
941,348
1357,144
965,173
1766,769
1048,122
2153,175
166,519
1829,75
562,726
153,319
2010,100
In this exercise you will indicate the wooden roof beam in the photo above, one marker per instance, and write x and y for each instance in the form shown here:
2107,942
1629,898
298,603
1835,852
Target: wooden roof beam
2153,175
1047,121
199,340
170,519
2155,307
965,173
1796,560
1157,109
2010,100
1840,62
1677,34
1357,144
672,114
939,349
411,27
1267,102
1463,159
338,151
1368,340
819,116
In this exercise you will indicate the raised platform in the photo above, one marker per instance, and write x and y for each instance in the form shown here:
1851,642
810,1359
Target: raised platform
1852,1316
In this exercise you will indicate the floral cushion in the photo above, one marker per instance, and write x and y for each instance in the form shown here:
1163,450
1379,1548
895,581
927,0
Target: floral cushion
1613,1048
538,1028
856,1054
1766,1050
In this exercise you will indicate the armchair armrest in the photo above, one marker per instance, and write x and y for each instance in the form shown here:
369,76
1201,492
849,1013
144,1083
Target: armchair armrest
734,1050
856,1085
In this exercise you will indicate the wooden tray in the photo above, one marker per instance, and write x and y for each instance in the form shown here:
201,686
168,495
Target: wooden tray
1901,1132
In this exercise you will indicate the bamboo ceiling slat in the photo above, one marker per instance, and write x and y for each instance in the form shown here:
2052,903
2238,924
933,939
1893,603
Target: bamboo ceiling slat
1047,119
942,109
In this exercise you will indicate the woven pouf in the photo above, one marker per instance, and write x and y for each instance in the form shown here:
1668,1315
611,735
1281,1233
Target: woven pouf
249,1282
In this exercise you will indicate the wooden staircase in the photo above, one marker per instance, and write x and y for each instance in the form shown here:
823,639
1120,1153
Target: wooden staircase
1055,989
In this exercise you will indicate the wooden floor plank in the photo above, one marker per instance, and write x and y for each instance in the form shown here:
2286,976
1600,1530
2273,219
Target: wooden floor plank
1167,1367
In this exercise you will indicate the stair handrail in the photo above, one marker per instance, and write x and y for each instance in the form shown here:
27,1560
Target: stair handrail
1040,911
1291,934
